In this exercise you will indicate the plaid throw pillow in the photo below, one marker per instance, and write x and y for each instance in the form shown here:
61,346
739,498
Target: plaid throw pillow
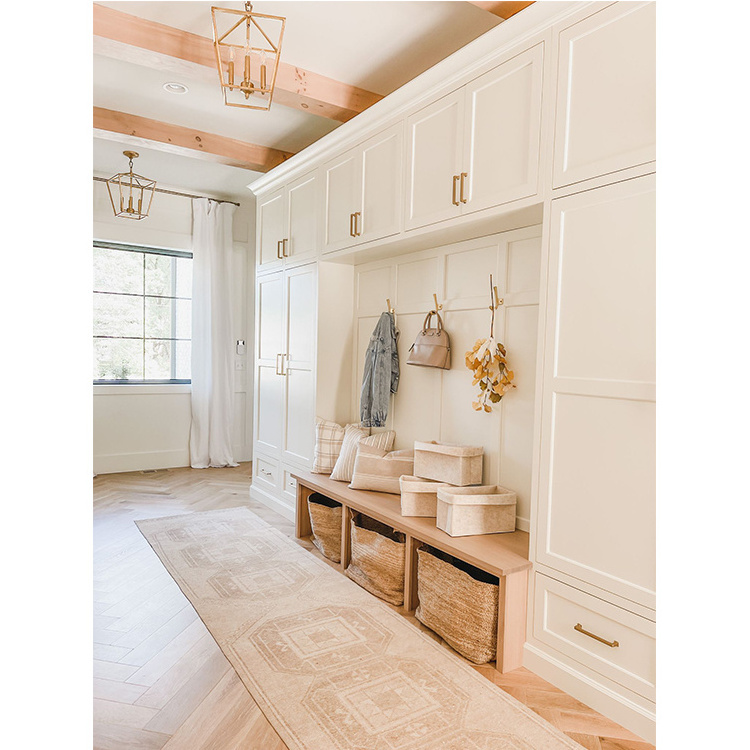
328,439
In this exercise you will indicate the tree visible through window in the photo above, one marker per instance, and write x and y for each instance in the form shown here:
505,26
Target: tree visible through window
142,301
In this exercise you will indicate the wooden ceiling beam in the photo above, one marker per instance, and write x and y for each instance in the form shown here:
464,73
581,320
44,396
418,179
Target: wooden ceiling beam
502,10
141,131
295,87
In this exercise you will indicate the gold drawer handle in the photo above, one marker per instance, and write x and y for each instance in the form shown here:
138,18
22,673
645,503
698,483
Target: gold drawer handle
464,175
455,200
611,644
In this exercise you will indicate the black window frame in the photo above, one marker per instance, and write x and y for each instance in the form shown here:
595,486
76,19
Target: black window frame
145,250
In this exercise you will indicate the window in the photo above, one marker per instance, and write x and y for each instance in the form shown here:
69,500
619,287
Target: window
142,301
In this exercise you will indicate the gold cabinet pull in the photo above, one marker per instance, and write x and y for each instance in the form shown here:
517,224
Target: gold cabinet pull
278,356
278,249
283,247
283,371
456,178
464,175
351,225
357,228
611,644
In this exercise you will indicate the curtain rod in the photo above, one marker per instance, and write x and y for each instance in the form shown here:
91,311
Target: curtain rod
174,192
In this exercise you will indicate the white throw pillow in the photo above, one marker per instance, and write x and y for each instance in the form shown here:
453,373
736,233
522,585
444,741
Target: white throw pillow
328,439
342,471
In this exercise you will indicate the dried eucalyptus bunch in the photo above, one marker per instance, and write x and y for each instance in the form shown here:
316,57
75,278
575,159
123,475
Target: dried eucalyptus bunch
490,368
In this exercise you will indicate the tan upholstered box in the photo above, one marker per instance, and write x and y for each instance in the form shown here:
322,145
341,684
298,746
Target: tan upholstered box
462,511
459,465
418,496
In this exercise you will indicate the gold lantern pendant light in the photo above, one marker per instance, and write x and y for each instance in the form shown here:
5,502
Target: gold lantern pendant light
248,49
130,193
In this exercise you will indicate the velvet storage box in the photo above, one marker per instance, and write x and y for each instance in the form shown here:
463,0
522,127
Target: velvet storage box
459,465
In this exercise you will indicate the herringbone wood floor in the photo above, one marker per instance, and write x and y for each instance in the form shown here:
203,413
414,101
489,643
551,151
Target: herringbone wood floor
160,680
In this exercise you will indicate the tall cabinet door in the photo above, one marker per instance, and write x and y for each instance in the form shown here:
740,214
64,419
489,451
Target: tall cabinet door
343,196
382,179
269,379
435,147
597,480
503,120
606,99
271,229
299,364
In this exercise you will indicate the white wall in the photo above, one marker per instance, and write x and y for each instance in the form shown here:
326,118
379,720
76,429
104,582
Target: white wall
140,427
435,404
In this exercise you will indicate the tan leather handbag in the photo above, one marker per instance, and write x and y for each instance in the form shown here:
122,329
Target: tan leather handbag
432,347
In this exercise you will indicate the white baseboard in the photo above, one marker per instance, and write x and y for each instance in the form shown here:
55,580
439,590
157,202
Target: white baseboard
115,463
638,719
267,499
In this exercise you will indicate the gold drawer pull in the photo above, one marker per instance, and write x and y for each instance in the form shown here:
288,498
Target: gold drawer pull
464,175
611,644
456,178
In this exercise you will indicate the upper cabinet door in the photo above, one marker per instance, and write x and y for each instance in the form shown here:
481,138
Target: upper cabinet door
343,198
302,229
606,93
503,117
271,230
435,148
382,180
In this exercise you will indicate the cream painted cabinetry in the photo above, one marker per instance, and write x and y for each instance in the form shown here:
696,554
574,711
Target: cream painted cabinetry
363,191
286,309
477,147
288,221
593,528
606,94
302,363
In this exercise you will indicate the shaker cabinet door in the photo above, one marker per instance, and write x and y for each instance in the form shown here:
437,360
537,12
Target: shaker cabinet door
596,515
302,227
503,119
272,230
606,93
382,179
343,193
435,149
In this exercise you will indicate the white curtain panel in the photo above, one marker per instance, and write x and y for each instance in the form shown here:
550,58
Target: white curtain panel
212,372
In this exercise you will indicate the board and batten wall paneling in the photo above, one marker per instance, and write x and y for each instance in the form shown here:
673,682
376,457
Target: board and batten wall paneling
148,427
435,404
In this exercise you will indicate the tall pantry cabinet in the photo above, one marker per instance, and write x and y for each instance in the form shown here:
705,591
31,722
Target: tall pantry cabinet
592,613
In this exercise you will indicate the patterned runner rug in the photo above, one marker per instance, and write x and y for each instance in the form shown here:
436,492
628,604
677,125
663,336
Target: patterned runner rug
331,666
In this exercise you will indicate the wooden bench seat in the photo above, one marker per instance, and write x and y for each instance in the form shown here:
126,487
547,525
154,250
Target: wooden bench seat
502,555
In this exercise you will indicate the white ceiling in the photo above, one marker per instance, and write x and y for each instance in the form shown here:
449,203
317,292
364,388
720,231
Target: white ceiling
377,46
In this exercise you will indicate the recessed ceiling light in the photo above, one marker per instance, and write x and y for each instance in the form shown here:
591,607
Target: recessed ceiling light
176,88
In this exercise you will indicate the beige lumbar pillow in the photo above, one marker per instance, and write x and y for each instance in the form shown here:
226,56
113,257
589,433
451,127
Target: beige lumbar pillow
354,437
379,470
328,439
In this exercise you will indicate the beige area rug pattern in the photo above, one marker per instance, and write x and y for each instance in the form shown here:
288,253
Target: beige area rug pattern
331,666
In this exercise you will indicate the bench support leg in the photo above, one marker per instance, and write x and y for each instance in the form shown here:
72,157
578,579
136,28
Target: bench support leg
511,620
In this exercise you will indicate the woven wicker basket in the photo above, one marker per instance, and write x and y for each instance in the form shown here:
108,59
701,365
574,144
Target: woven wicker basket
377,558
459,602
325,520
460,465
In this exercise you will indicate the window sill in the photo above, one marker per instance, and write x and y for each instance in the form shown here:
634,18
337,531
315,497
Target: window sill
141,389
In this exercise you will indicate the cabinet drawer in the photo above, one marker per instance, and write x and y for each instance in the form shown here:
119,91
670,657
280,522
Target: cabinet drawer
559,609
290,486
266,472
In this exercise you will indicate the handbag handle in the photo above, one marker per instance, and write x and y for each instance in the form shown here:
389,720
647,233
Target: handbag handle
428,320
